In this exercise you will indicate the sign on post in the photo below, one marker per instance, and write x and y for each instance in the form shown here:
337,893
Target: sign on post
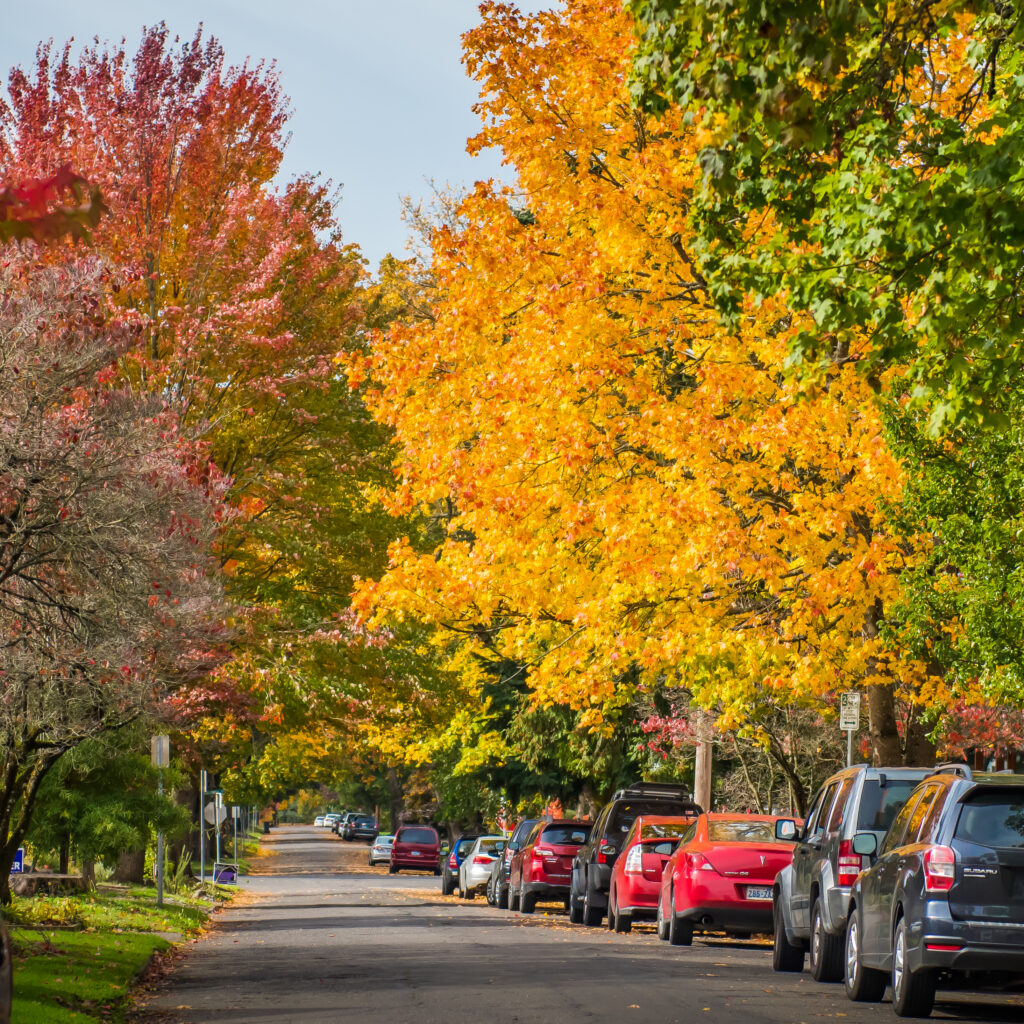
215,813
849,711
160,751
18,866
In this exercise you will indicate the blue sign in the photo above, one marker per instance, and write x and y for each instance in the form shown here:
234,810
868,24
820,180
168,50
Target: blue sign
19,862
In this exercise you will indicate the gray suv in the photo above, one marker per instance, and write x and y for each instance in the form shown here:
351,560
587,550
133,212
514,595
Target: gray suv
811,896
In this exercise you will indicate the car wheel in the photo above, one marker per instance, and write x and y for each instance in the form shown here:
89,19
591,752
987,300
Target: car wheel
591,915
465,892
513,898
437,871
447,885
786,956
611,912
369,860
826,953
502,899
662,923
623,922
392,870
680,932
527,902
575,909
913,992
862,984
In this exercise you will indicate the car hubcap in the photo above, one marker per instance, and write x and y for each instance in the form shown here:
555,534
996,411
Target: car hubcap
816,940
851,952
897,962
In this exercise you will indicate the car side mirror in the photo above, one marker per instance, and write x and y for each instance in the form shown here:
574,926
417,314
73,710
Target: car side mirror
865,844
513,846
785,829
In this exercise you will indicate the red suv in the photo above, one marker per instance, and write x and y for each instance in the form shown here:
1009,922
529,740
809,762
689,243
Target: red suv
542,867
417,847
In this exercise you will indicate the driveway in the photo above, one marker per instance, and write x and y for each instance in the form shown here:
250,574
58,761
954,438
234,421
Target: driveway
324,938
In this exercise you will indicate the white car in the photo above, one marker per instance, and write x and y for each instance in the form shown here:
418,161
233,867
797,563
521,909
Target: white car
475,869
380,852
319,822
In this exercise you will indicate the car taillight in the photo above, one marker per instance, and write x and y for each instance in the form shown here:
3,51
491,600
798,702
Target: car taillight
848,865
544,852
698,862
939,869
452,862
635,860
481,860
605,853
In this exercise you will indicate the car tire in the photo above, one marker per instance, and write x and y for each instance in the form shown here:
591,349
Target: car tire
489,892
680,932
447,885
623,923
513,898
826,951
527,902
392,870
591,915
786,956
502,899
575,909
611,912
862,984
662,924
465,892
913,993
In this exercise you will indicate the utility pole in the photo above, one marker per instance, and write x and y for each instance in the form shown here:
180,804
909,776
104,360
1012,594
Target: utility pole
702,768
160,750
202,825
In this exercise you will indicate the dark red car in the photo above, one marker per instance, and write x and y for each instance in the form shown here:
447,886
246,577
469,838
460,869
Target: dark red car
720,877
541,868
417,847
636,877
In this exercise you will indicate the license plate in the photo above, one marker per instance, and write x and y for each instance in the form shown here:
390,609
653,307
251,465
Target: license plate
414,853
757,892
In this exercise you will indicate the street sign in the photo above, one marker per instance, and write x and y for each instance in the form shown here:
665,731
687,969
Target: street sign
215,813
160,751
849,711
18,866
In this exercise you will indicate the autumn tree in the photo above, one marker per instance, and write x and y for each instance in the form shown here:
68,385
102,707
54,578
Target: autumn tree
630,493
107,517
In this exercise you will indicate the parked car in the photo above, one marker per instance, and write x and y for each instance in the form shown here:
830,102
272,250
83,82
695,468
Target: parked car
380,850
592,866
341,822
475,867
417,847
451,860
318,821
811,897
636,878
362,826
945,892
541,868
720,876
497,887
331,819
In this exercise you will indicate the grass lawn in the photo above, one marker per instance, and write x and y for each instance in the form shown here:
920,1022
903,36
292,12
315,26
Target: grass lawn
75,956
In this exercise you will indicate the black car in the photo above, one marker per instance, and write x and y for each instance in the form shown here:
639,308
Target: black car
811,895
497,886
945,894
362,826
592,866
451,860
339,825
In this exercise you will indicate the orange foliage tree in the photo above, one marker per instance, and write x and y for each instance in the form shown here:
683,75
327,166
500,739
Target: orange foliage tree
631,495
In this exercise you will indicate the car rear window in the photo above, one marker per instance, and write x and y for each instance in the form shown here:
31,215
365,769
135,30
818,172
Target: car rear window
364,821
463,845
880,804
523,829
492,846
566,835
666,830
622,820
417,835
739,831
993,819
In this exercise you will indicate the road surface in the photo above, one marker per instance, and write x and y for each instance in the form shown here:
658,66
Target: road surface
326,939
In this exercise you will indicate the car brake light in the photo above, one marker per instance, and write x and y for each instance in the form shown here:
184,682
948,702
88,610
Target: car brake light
944,947
544,852
606,851
939,869
481,860
635,860
848,865
452,862
698,862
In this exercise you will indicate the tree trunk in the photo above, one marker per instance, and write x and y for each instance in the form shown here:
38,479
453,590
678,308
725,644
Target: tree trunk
131,867
89,873
65,854
920,750
396,803
882,731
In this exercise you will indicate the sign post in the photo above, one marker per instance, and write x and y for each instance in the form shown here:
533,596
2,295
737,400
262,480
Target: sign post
849,719
202,826
160,749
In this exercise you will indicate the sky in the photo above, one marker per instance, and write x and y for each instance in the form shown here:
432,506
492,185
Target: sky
381,103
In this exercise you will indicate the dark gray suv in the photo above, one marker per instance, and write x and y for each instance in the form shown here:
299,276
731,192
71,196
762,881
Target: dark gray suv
811,896
945,894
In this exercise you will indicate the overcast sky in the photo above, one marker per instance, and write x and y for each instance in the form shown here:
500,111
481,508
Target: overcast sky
379,96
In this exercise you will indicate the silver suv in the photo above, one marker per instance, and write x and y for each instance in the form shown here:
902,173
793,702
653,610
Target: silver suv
811,895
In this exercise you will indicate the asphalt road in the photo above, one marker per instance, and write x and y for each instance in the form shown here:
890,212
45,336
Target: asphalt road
323,938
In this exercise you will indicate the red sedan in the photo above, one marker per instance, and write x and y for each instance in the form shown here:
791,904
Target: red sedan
542,868
636,878
720,877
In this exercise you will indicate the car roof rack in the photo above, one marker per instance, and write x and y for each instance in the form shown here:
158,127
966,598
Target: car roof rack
955,768
666,789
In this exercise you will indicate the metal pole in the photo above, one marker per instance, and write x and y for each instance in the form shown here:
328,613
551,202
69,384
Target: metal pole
234,815
160,846
216,818
849,748
202,825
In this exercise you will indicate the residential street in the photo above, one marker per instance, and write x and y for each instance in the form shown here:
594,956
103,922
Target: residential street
329,939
